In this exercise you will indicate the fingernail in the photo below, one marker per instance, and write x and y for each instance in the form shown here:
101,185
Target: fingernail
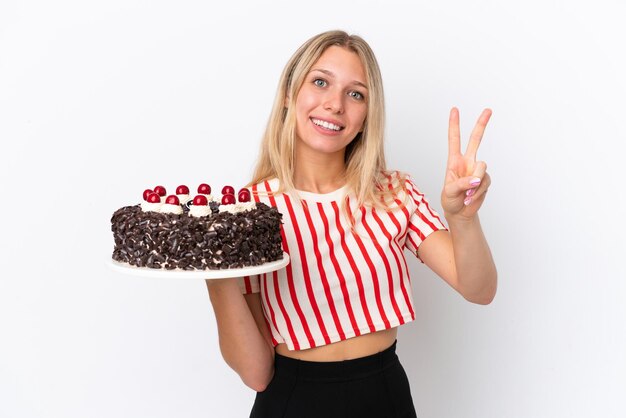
467,201
470,192
475,181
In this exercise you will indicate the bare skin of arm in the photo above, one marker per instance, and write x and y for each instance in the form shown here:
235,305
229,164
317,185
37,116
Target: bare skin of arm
462,258
244,338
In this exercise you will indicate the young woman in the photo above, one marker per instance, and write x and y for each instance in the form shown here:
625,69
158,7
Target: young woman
317,338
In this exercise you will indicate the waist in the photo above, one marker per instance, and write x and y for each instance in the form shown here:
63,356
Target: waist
361,346
336,370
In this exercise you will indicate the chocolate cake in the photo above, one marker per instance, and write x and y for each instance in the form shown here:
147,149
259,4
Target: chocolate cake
199,234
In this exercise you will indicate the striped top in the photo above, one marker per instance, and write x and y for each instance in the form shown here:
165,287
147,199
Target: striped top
339,284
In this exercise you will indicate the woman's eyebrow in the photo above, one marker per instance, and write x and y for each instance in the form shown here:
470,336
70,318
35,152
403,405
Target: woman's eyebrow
331,74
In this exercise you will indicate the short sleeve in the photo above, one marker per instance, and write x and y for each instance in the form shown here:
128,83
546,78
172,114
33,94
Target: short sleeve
424,220
249,284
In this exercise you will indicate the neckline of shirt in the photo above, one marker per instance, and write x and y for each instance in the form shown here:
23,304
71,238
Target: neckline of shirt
333,196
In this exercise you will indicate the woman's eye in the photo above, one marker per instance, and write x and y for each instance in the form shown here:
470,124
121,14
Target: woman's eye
356,95
319,82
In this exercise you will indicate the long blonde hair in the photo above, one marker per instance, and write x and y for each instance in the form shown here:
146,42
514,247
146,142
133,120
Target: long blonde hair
365,167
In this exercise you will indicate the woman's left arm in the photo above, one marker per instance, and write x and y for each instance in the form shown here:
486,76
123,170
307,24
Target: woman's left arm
462,256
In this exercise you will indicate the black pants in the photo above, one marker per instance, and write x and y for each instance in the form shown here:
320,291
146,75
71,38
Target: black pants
375,386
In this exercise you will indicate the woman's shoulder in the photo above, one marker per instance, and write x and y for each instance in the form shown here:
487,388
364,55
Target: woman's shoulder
397,185
265,189
270,184
395,181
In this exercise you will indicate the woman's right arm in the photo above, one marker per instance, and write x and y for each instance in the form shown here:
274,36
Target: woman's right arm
245,340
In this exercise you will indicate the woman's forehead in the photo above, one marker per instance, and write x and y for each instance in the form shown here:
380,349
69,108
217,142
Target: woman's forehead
341,63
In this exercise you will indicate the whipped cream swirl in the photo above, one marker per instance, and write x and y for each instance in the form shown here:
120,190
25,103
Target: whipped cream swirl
151,207
184,198
198,211
237,207
175,209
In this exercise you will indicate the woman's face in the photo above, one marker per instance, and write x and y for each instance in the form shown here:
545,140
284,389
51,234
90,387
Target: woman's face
332,103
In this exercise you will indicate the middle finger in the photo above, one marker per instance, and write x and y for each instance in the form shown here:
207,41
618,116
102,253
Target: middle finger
477,134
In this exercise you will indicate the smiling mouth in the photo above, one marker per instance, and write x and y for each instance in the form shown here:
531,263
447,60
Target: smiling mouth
326,125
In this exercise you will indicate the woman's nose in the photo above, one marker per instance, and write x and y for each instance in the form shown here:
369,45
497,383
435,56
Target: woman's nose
334,102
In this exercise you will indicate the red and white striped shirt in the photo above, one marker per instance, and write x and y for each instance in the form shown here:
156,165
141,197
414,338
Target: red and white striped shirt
340,284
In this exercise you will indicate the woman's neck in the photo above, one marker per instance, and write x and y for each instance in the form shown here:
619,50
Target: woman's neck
320,173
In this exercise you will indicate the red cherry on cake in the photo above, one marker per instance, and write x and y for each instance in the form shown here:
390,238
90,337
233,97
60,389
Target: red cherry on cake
228,199
182,189
244,195
154,198
204,189
172,200
146,193
160,190
228,190
200,200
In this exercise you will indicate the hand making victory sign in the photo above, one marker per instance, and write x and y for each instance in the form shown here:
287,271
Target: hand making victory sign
462,256
466,180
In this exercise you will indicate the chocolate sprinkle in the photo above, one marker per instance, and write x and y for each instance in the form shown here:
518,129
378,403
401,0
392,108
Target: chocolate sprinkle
218,241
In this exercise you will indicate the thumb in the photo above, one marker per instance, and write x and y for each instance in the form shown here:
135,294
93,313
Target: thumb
461,185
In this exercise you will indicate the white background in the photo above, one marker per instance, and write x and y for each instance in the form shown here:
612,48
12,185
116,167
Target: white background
101,100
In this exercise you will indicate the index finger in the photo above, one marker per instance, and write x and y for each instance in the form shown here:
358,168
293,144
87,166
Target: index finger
454,133
477,134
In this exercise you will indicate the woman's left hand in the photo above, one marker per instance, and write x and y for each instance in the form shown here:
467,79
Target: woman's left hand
466,181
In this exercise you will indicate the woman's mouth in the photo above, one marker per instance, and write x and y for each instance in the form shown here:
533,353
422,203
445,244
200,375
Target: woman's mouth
326,125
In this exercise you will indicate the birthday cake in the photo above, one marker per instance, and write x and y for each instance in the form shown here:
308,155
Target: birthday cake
199,233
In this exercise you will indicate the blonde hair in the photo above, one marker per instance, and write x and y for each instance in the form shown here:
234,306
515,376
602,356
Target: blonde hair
365,168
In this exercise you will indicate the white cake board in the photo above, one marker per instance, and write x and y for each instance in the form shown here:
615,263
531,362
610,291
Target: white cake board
198,274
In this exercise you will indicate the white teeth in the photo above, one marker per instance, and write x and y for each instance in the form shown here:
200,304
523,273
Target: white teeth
326,125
